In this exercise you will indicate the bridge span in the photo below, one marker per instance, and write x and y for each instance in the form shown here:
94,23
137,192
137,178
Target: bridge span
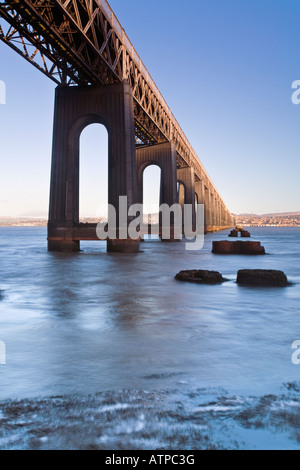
82,47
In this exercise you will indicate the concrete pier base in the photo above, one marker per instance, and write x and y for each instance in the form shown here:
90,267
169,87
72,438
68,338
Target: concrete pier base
71,246
123,246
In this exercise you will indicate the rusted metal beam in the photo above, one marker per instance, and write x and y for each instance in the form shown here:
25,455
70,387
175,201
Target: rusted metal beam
81,42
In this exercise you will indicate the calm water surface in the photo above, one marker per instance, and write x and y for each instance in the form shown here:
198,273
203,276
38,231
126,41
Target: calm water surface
92,321
95,322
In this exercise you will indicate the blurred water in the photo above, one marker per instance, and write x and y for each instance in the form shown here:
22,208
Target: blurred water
135,359
93,322
90,322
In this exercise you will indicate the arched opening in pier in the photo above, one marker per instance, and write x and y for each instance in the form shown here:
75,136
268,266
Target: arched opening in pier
151,193
181,193
93,174
196,203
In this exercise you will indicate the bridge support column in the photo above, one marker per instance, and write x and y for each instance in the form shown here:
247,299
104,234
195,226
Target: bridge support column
200,192
207,204
216,212
219,217
213,210
186,176
164,156
227,218
217,221
223,218
75,108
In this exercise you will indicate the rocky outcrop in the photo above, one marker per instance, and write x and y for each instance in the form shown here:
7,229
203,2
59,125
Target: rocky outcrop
239,230
238,248
200,277
262,278
245,234
234,233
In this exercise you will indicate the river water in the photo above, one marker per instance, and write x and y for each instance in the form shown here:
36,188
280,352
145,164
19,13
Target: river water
132,358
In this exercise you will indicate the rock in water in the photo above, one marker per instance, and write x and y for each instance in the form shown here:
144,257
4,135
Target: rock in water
200,277
245,234
225,247
262,278
233,234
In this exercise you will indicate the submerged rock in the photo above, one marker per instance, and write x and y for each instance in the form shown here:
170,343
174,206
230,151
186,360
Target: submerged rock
234,234
245,234
200,277
238,248
262,278
239,230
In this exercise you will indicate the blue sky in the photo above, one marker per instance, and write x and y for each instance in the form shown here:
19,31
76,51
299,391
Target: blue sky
224,67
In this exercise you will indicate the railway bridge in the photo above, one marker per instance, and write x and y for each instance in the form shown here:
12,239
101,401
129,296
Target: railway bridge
82,47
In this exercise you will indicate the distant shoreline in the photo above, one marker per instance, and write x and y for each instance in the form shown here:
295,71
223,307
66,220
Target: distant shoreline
270,226
289,219
22,225
37,222
40,225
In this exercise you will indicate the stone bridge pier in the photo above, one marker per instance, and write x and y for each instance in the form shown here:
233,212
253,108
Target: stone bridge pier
164,156
112,106
186,178
75,108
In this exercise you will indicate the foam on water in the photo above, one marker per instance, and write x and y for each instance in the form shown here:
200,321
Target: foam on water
135,419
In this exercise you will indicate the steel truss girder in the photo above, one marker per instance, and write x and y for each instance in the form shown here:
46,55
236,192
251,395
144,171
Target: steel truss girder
81,42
